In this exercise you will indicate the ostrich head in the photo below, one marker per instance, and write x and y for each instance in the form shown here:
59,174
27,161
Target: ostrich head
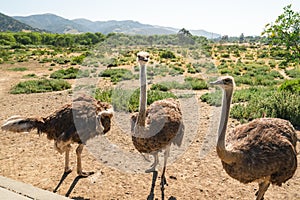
143,57
224,82
104,120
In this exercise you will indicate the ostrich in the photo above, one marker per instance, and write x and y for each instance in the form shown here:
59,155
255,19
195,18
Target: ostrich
263,150
157,127
84,119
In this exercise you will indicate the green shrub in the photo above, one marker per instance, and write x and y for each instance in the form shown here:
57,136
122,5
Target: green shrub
283,105
77,60
70,73
167,54
292,86
103,95
294,73
213,99
117,75
38,86
30,76
196,83
18,69
160,87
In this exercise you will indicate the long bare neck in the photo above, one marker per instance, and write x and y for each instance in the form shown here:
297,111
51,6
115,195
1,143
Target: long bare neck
225,155
143,96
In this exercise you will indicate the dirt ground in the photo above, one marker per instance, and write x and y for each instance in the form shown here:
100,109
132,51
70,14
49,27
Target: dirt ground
196,173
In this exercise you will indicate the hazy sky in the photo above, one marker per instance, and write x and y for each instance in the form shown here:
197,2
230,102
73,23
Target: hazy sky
226,17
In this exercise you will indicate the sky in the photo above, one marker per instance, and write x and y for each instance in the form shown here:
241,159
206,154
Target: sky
225,17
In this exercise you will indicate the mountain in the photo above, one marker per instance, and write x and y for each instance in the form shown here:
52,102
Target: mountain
8,23
125,26
52,23
57,24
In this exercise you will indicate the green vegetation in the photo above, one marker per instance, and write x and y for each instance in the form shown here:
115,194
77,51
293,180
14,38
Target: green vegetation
117,75
18,69
283,105
285,31
282,102
167,54
189,83
70,73
128,100
38,86
292,86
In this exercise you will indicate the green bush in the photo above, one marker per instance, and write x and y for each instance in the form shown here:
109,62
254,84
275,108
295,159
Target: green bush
77,60
70,73
38,86
283,105
196,83
167,54
160,87
18,69
292,86
294,73
213,99
260,101
117,75
30,76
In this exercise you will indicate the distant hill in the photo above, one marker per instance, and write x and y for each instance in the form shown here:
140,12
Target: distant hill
126,26
56,24
8,23
52,23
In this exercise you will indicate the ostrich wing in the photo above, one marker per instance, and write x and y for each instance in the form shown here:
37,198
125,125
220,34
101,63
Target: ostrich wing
19,124
163,126
266,148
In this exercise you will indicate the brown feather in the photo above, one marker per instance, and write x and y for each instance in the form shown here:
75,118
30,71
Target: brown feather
164,126
267,147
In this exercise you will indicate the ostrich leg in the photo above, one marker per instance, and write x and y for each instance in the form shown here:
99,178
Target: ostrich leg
79,166
163,177
67,167
263,186
154,164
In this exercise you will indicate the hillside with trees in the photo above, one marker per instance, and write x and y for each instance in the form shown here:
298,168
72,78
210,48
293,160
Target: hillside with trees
10,24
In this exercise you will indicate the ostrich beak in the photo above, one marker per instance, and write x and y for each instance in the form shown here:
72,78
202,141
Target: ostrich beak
141,58
217,82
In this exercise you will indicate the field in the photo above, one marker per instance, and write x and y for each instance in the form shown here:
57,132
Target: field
194,172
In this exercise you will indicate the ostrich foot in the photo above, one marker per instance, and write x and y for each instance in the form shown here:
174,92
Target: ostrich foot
85,174
163,182
68,171
152,169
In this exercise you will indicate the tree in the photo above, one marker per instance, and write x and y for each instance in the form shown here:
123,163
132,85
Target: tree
242,38
184,32
185,37
286,31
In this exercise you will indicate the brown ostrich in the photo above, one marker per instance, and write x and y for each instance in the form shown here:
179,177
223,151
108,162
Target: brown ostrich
263,150
84,119
157,127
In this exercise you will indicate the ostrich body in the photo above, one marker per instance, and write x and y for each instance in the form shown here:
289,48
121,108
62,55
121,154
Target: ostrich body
263,150
155,128
84,119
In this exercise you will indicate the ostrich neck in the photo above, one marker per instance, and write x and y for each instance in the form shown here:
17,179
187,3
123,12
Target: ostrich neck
143,96
223,153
